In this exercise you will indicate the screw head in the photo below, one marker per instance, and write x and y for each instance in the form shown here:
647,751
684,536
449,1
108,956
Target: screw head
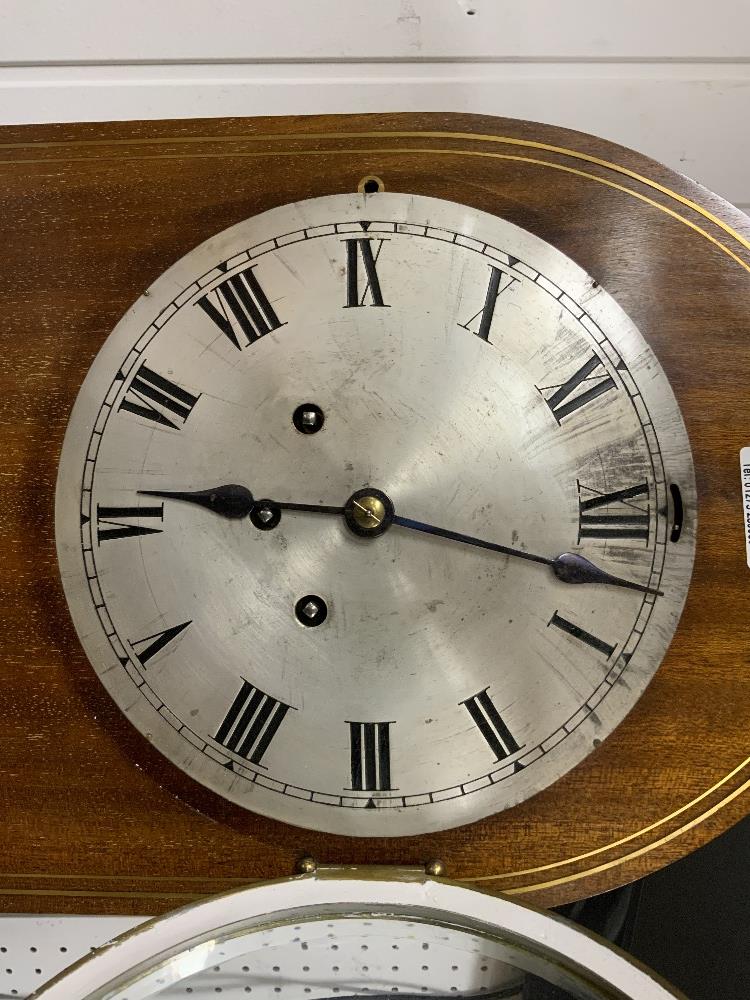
308,418
265,515
311,610
306,866
436,868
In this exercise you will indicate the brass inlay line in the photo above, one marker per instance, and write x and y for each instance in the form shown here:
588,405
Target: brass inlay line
634,854
461,136
90,894
449,152
655,185
631,836
131,878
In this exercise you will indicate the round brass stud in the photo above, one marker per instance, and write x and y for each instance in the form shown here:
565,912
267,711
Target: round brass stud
436,868
307,866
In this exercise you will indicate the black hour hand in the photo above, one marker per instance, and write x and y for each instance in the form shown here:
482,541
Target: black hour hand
227,501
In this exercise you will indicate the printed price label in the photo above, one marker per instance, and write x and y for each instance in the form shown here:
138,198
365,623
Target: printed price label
745,472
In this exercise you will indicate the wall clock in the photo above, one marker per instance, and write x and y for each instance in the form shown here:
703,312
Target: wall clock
477,426
376,514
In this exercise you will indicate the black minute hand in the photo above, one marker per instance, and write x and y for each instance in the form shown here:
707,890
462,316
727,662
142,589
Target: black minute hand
568,567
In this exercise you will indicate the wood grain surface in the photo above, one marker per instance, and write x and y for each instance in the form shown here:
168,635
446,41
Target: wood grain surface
92,819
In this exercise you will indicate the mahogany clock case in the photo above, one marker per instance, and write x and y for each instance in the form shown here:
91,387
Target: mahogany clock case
94,819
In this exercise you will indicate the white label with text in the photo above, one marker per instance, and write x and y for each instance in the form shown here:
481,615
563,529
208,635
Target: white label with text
745,472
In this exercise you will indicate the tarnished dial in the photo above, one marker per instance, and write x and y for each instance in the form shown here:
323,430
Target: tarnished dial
376,514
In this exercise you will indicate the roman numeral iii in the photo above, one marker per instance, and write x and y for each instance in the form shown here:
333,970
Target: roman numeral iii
499,282
613,515
113,522
566,400
370,756
158,399
487,720
360,249
240,309
251,723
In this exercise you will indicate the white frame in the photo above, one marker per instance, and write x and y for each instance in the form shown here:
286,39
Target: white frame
333,893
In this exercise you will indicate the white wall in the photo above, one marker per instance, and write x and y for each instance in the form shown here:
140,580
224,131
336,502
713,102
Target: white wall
668,77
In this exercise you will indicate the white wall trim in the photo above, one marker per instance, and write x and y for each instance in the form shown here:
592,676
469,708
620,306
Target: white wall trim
690,116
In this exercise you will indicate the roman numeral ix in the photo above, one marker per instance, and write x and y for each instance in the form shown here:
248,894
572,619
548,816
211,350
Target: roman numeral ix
240,309
153,644
613,515
251,723
110,523
370,756
563,401
156,398
360,249
499,282
487,720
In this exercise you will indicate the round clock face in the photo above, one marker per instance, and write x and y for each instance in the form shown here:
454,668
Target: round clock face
376,514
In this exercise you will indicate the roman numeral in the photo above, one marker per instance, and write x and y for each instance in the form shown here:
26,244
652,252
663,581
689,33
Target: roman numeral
487,720
597,517
154,397
240,309
499,282
153,644
251,723
356,249
370,756
109,523
560,402
582,635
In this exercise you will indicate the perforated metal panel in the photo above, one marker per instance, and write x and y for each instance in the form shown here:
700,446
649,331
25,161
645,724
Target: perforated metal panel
328,935
34,949
337,958
345,957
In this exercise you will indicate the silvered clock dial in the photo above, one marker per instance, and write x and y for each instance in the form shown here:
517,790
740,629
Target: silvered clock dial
376,514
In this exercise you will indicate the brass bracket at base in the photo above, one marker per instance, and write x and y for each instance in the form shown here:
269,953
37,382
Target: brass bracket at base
309,866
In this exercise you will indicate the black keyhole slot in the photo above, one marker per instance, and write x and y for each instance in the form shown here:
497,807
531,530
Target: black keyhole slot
677,512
